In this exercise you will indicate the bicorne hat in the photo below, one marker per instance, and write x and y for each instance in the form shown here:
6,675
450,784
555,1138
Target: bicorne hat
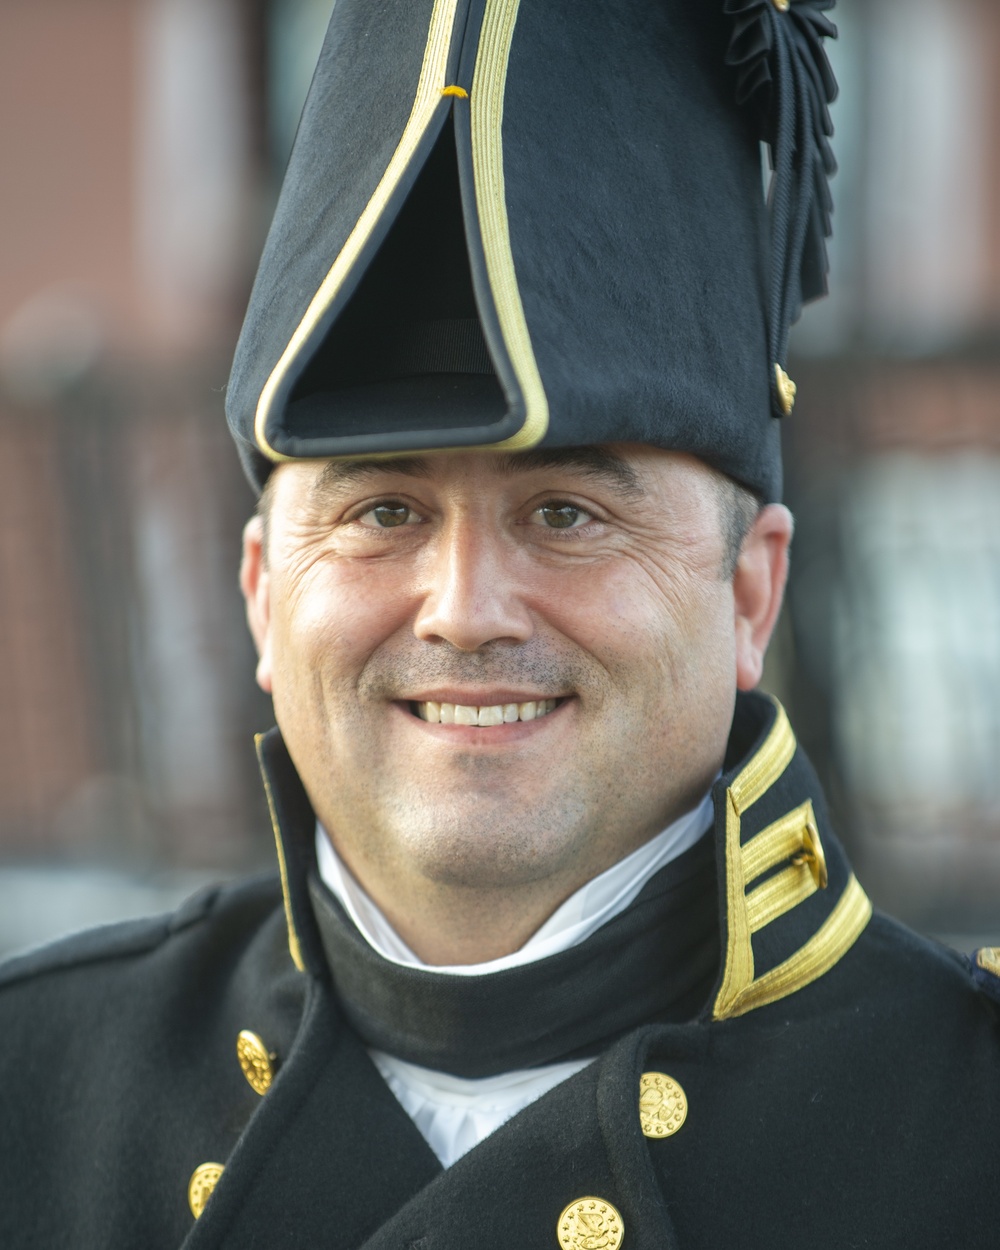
514,223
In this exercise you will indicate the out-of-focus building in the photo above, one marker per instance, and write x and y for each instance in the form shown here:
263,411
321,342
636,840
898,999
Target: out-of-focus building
131,203
142,142
894,465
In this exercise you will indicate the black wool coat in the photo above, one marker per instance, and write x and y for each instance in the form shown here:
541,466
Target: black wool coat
842,1082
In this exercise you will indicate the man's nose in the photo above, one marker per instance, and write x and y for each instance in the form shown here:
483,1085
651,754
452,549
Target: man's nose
472,595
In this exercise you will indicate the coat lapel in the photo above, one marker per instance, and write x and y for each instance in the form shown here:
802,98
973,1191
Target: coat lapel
512,1188
329,1156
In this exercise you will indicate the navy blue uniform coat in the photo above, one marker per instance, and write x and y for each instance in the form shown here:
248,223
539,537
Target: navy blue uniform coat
843,1079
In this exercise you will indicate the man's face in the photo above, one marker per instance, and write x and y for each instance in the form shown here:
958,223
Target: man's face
588,583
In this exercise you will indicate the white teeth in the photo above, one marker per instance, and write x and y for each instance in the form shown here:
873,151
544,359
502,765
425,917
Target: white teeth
485,716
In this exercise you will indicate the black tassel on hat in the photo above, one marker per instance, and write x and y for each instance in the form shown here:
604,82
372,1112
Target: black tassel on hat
518,223
785,78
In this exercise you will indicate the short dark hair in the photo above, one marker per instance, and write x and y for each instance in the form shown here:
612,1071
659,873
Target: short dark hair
738,509
263,510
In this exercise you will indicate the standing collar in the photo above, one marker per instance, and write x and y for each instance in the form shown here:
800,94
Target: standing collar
789,905
653,962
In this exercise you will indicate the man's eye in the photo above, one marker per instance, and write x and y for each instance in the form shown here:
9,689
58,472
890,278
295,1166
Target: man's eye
388,516
562,516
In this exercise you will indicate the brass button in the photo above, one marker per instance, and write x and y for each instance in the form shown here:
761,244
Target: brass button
202,1185
590,1224
663,1105
812,853
782,5
787,390
256,1061
988,958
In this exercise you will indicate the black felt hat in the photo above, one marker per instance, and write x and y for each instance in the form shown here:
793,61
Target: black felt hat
508,223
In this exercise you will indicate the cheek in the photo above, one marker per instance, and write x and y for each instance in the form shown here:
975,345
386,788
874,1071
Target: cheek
626,609
598,607
331,621
667,652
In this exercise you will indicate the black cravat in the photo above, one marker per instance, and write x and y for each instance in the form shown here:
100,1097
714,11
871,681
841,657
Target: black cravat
654,962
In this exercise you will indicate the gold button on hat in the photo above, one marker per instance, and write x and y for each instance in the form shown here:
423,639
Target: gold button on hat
202,1184
257,1062
988,958
787,390
663,1105
590,1224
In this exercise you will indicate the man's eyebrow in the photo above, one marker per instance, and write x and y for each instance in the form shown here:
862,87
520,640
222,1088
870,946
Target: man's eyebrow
339,473
595,462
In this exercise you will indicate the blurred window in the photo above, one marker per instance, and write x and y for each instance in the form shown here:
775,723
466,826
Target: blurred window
917,638
911,226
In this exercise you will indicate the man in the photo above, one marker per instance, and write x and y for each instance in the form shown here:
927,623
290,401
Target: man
564,952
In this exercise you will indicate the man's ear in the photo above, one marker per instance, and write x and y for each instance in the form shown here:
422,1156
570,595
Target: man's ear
758,589
256,586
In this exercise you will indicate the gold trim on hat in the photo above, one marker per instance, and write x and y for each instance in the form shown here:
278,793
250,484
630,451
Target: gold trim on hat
488,88
430,86
486,119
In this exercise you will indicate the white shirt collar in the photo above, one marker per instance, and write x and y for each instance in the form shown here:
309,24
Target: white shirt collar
573,922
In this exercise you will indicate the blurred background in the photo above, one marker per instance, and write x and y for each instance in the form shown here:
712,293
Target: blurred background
141,146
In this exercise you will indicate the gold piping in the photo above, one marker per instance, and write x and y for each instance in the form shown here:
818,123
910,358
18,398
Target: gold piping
759,775
739,952
767,765
430,86
488,88
827,946
294,948
746,914
778,894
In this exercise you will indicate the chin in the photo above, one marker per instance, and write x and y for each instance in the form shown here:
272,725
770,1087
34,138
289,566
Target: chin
479,847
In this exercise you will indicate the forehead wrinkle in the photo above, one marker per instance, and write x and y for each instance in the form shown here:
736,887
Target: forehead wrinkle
594,462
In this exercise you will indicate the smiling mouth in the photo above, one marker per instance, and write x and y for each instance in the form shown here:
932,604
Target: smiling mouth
496,714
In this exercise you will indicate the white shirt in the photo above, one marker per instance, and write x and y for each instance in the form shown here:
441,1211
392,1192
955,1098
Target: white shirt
455,1113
